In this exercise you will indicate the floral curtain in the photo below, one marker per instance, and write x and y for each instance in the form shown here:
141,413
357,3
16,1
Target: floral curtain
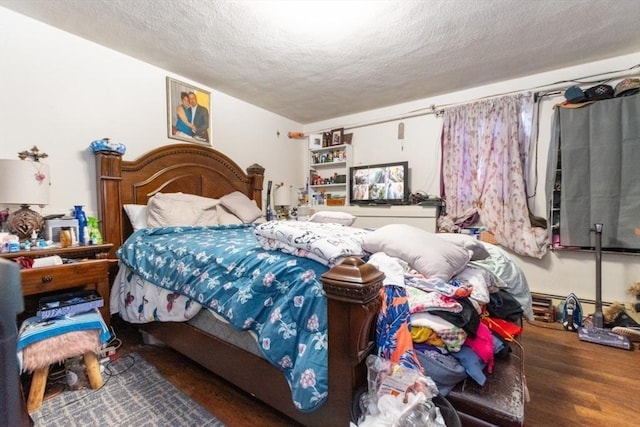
485,146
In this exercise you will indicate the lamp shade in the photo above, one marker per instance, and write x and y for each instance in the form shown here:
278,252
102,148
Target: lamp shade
24,182
282,196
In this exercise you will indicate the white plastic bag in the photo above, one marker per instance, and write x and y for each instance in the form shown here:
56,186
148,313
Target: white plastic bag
398,397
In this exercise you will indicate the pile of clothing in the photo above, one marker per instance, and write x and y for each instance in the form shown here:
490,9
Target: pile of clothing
448,330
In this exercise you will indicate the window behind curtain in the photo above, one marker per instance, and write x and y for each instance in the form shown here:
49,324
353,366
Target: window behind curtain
485,148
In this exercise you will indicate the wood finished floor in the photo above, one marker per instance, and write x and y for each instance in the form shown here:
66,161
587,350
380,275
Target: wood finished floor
570,382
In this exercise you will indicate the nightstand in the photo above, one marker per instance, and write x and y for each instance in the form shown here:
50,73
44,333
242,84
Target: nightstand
88,269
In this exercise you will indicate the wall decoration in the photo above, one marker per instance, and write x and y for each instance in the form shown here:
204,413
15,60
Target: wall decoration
347,138
336,136
188,112
315,141
326,139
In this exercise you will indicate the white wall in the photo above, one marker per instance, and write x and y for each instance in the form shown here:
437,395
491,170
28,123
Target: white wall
61,92
558,273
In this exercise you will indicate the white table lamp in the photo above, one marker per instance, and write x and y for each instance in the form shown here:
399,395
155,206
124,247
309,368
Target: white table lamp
282,200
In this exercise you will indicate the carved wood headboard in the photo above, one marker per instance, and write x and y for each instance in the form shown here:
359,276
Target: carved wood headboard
186,168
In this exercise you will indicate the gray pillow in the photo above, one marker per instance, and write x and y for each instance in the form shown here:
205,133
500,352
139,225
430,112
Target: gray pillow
468,242
241,206
336,217
175,209
423,251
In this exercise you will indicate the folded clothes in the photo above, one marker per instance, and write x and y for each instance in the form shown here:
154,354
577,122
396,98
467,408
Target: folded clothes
473,365
443,368
451,335
482,345
35,329
105,145
427,301
454,289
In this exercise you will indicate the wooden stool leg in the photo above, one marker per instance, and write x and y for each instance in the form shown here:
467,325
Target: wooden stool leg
36,393
93,370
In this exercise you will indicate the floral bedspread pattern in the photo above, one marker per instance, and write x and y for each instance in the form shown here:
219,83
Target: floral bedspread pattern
277,296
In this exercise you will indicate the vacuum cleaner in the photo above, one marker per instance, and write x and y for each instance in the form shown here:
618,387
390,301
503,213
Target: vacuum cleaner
597,333
270,215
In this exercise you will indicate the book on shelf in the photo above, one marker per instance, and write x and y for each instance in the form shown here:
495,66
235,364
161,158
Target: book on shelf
68,304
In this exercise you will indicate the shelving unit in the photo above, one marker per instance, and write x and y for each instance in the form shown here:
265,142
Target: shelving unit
328,175
554,213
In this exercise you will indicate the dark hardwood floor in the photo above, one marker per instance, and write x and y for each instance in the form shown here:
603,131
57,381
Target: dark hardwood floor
570,382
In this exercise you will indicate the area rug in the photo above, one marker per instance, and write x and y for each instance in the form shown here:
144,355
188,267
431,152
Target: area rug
134,394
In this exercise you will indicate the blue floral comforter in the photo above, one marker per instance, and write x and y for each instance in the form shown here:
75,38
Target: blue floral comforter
277,296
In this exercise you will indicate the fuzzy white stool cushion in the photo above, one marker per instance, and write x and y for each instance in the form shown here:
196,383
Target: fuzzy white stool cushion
56,349
45,342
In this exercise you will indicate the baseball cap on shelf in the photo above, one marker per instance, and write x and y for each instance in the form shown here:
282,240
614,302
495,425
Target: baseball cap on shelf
627,87
599,92
574,95
567,104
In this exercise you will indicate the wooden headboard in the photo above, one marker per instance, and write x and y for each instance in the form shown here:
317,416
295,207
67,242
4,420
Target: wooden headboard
186,168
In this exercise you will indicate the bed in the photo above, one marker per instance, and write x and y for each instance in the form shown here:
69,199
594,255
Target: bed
352,303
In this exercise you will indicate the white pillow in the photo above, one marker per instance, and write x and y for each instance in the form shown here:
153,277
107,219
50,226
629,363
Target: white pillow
137,215
424,251
241,206
225,217
335,217
478,251
174,209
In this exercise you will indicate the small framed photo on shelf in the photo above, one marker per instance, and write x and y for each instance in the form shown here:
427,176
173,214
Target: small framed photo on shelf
326,139
315,141
336,136
347,138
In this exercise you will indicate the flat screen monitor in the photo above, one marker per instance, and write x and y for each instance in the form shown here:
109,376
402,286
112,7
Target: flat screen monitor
379,184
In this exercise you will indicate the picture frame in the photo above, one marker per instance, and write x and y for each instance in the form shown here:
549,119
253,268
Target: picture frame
336,136
315,141
182,122
326,139
347,138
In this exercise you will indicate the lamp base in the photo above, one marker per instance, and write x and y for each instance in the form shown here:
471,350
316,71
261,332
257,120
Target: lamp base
282,213
24,222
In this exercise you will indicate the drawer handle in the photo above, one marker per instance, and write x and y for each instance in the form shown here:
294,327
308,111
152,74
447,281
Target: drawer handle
47,279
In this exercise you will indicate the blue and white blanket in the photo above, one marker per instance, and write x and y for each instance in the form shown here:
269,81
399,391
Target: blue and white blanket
327,243
277,296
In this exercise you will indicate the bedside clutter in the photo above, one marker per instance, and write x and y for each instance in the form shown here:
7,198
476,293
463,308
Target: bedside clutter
480,233
82,267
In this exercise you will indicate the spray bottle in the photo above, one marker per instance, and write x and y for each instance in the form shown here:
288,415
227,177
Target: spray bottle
95,237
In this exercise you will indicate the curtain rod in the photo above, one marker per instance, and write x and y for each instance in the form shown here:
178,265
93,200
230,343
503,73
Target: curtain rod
407,116
554,88
558,88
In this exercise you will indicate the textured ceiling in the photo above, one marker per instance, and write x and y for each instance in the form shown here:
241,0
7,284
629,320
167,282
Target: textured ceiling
302,66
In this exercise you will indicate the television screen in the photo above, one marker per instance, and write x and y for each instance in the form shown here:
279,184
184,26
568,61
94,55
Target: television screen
379,184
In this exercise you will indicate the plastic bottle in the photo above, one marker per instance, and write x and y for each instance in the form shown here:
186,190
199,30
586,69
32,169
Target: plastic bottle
95,237
13,243
83,234
65,237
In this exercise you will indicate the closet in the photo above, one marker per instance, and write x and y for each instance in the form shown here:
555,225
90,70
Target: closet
593,174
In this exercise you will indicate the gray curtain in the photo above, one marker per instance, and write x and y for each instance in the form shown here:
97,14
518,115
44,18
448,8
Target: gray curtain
600,162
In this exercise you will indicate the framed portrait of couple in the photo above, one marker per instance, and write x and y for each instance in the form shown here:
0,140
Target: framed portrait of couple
188,112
